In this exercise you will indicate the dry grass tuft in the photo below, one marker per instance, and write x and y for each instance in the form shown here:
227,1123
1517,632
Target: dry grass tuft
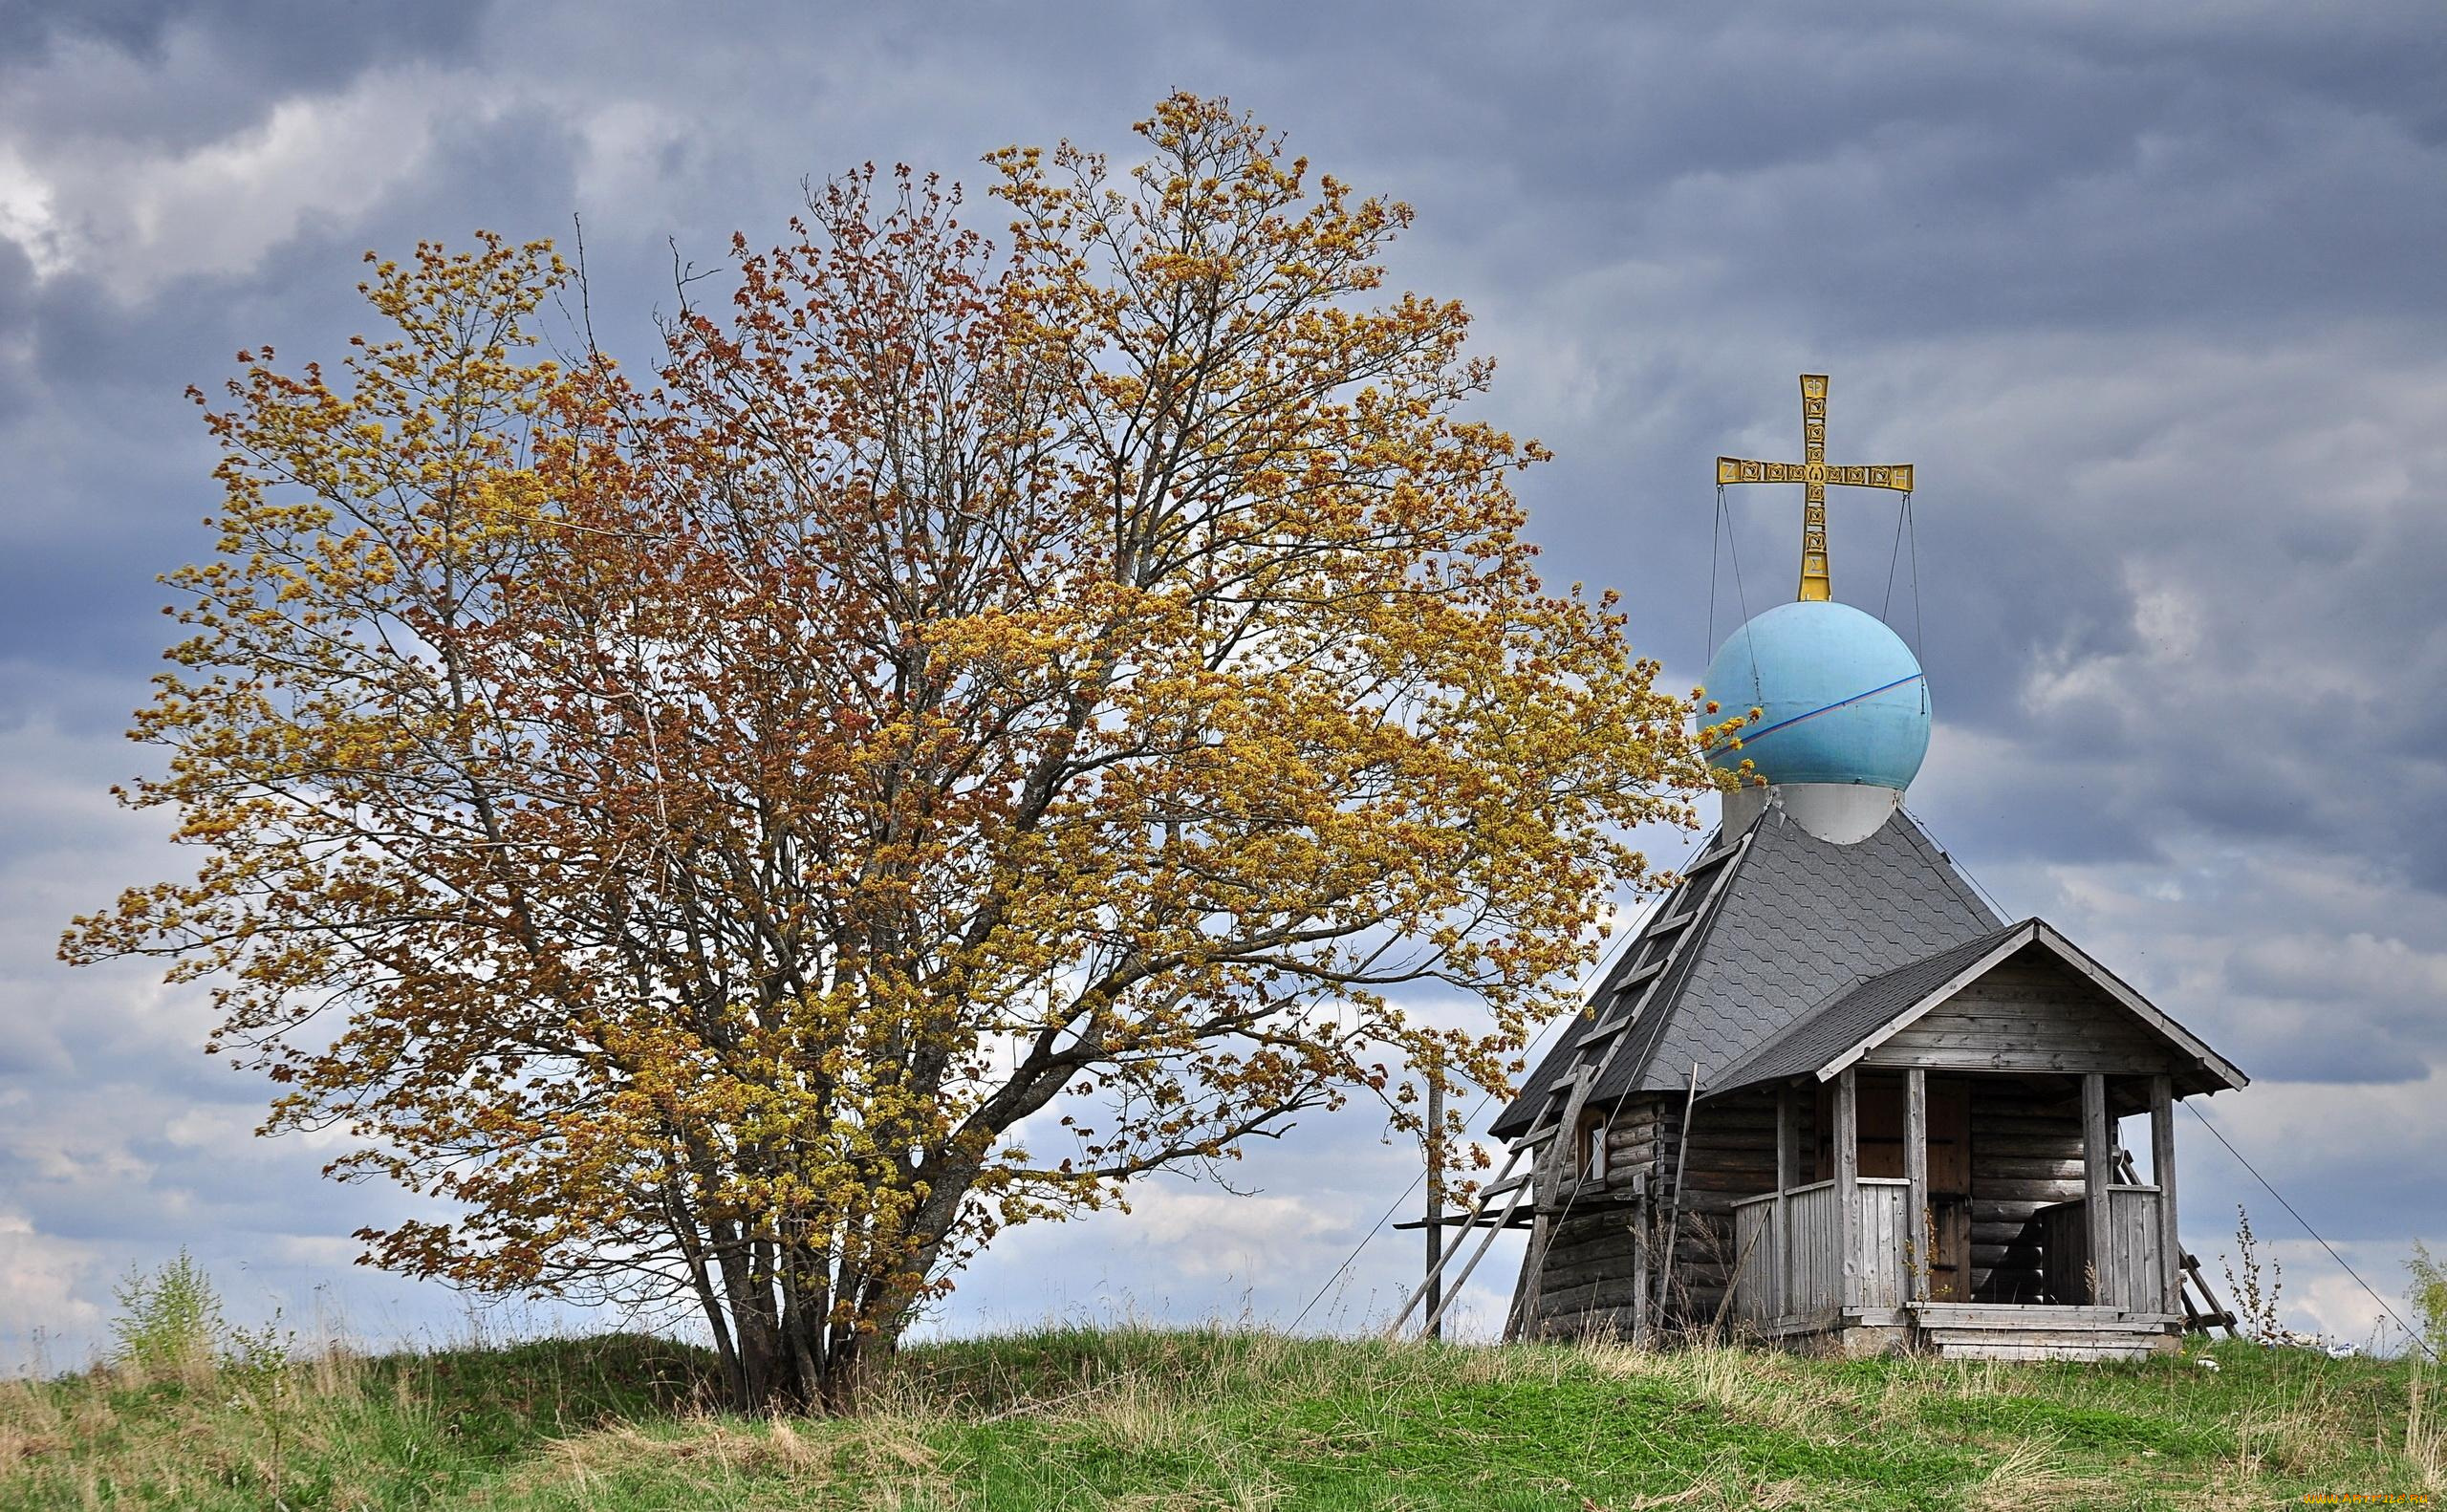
31,1425
1135,1413
2298,1432
194,1426
1775,1494
712,1455
1764,1388
2030,1476
2426,1432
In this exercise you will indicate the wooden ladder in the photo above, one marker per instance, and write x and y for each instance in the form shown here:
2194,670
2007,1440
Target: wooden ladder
1548,1143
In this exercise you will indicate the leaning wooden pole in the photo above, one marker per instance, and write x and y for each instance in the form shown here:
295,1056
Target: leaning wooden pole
1674,1199
1478,1210
1501,1223
1435,1204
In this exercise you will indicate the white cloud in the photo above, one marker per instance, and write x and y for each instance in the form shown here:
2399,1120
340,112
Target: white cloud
26,215
43,1280
1218,1234
138,214
325,1252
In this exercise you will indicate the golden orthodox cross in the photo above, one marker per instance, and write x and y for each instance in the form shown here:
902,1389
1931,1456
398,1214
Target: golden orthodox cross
1813,472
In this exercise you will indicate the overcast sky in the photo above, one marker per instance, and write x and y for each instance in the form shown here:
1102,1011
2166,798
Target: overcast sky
2151,294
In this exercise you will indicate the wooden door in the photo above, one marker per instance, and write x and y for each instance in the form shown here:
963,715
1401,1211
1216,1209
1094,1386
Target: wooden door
1880,1116
1877,1118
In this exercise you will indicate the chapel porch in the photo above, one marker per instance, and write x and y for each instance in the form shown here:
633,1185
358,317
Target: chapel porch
1882,1231
1924,1156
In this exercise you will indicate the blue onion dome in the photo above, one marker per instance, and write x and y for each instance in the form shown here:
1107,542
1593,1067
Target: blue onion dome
1844,700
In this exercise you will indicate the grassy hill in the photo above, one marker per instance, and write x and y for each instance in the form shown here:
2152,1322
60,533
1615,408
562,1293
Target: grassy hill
1149,1419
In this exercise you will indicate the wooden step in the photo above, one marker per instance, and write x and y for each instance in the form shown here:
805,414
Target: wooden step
2035,1331
1605,1030
1640,975
1710,861
2001,1348
2009,1315
2076,1338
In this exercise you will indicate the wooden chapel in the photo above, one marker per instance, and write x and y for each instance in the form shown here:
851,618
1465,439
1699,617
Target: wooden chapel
1826,1097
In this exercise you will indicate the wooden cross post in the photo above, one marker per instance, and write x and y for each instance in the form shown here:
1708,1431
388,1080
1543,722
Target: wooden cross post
1435,1206
2163,1170
1814,472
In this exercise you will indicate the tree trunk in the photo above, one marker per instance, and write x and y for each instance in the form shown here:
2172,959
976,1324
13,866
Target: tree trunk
755,1326
798,1327
800,1323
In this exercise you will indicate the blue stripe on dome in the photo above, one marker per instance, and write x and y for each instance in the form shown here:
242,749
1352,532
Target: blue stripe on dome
1754,739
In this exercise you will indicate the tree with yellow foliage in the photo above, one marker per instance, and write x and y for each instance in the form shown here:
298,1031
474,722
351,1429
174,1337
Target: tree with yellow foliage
980,726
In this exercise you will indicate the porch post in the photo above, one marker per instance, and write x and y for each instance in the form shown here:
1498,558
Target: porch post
1847,1178
2162,1166
1916,1171
1788,1177
1435,1207
2098,1163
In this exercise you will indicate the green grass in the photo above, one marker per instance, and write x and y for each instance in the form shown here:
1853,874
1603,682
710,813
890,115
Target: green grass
1140,1418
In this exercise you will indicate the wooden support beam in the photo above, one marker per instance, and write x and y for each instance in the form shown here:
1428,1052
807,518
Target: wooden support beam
1520,1193
1435,1205
1780,1245
1848,1177
2162,1167
2098,1173
1519,1196
1916,1172
1639,1270
1674,1199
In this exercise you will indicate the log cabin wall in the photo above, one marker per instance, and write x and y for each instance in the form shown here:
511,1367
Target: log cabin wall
1587,1283
1733,1156
2025,1154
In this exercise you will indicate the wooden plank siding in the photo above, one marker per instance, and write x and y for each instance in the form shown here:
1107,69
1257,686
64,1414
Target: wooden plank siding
2139,1272
1883,1234
2136,1266
1760,1273
1810,1264
2031,1013
1816,1262
1587,1279
2025,1153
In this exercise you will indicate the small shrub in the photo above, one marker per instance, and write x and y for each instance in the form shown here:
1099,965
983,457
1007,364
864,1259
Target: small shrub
169,1320
2429,1297
2256,1290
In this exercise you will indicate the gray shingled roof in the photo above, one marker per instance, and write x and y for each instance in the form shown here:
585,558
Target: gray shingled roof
1852,1014
1799,920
